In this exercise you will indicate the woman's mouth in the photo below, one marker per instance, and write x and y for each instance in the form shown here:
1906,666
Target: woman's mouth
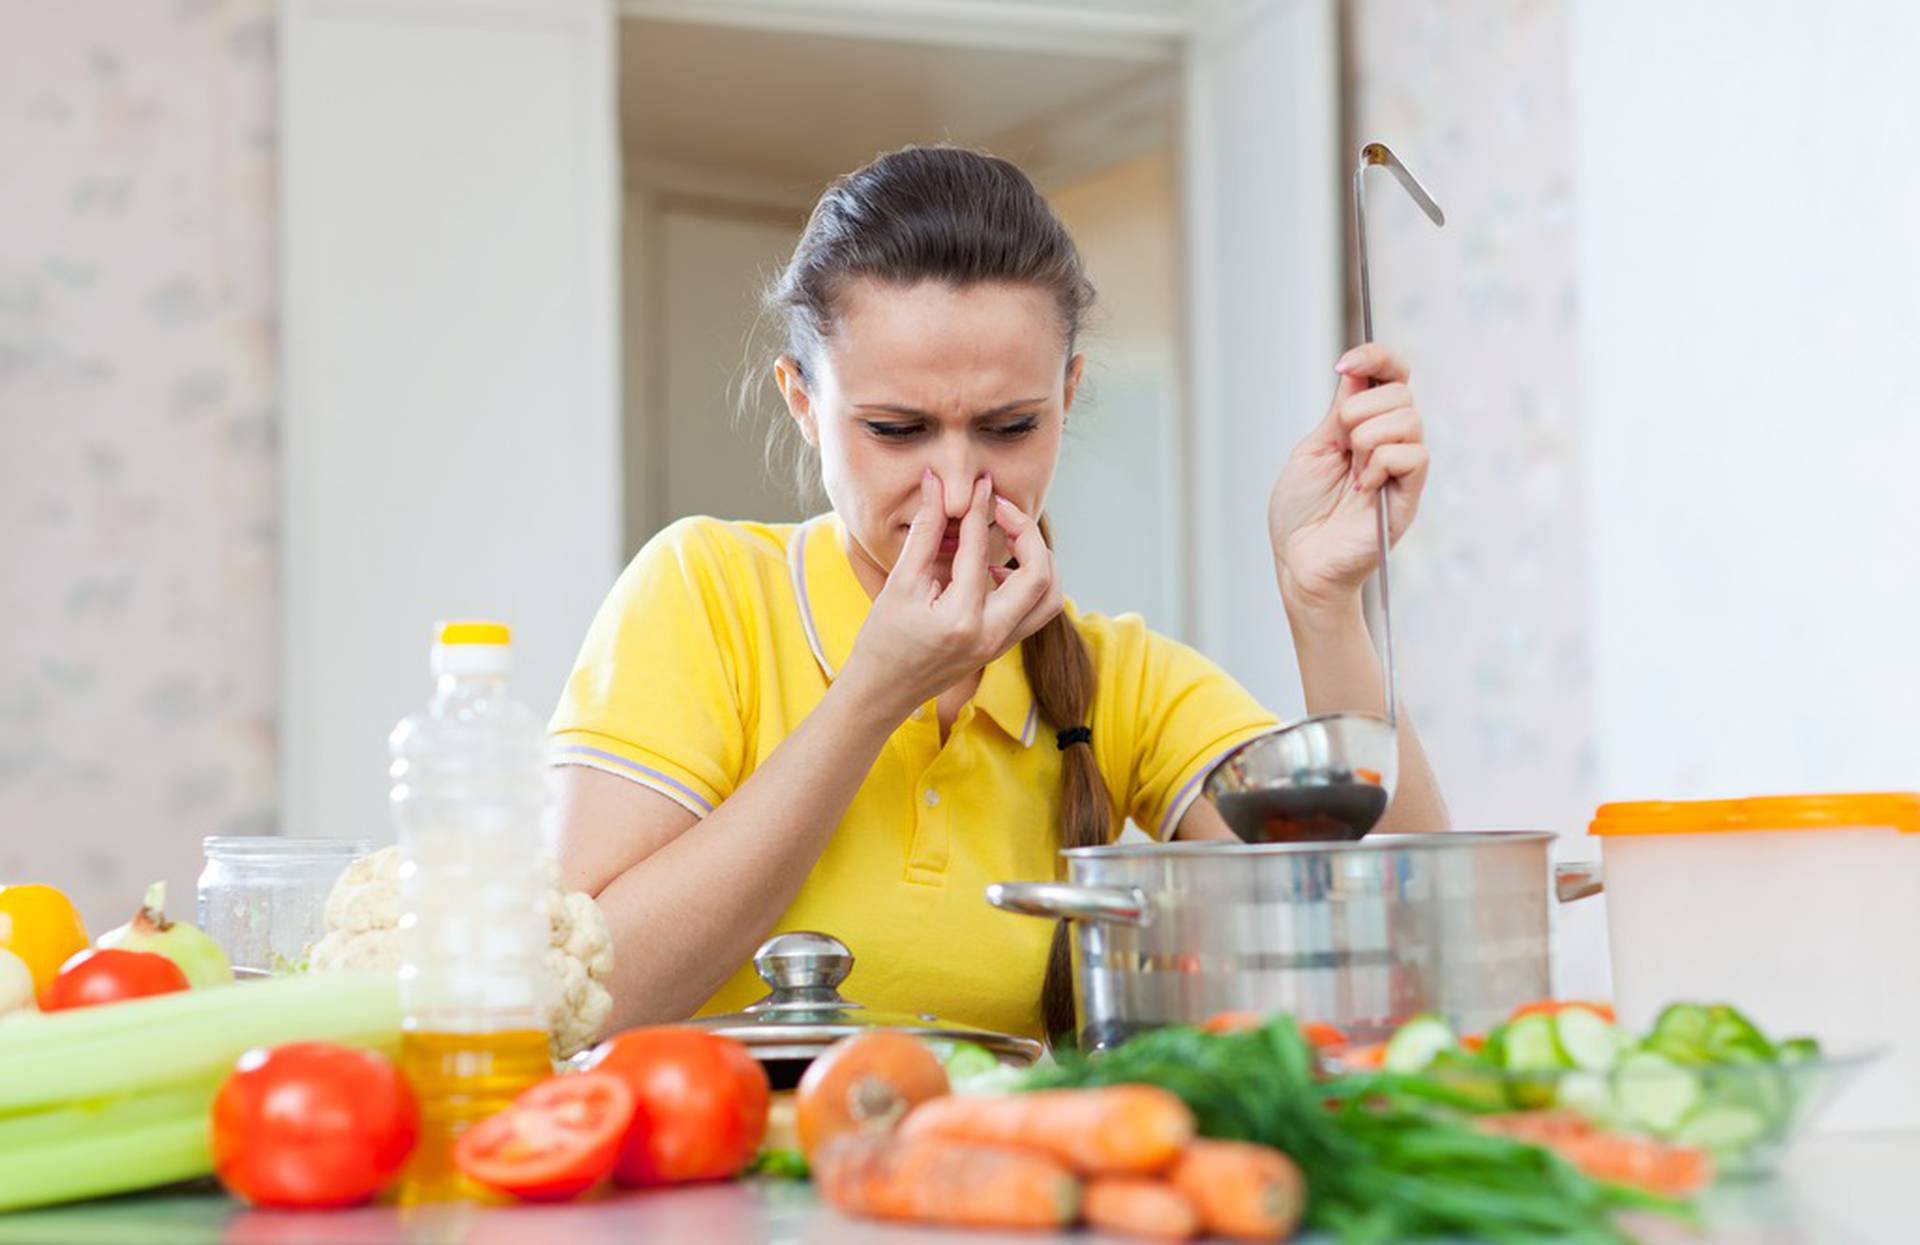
950,540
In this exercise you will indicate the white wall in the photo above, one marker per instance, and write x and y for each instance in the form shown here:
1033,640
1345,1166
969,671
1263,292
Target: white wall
451,307
1749,269
1116,505
1263,232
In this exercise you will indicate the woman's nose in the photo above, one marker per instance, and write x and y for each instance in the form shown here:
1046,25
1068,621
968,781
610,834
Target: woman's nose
958,472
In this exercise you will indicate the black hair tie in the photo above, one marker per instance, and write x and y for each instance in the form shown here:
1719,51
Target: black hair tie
1073,735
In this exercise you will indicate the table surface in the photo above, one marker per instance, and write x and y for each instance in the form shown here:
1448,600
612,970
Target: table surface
1834,1190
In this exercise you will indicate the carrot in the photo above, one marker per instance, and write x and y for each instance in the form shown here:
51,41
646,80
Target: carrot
1618,1158
1232,1022
1242,1190
1134,1206
933,1180
1116,1130
1323,1036
1473,1043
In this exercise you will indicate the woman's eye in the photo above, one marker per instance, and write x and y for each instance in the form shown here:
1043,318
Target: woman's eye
892,432
1015,430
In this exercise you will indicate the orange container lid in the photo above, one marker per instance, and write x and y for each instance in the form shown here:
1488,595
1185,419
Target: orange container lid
1897,810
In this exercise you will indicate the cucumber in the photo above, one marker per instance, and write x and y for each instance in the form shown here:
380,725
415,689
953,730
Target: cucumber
1415,1043
1797,1050
1588,1093
1472,1077
1533,1061
1721,1127
1729,1033
1530,1047
1682,1033
1654,1092
1584,1040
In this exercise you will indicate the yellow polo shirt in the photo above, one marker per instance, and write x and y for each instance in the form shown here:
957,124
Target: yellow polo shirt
721,637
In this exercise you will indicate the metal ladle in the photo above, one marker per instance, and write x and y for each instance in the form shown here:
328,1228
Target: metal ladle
1329,776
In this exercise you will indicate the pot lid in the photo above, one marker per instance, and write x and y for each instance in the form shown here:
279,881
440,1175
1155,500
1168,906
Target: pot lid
805,1013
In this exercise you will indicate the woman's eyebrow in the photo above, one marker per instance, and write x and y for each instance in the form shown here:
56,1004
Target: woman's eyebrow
1005,408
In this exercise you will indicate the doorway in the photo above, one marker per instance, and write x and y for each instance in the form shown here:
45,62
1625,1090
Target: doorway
728,134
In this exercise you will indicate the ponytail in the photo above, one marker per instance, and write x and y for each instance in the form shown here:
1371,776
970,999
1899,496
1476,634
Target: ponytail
1060,672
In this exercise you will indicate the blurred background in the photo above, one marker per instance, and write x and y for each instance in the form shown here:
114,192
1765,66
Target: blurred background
321,320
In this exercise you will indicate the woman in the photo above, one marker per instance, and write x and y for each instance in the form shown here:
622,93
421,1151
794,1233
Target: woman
854,724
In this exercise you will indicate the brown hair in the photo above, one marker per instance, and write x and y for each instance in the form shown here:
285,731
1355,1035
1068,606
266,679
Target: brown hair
956,216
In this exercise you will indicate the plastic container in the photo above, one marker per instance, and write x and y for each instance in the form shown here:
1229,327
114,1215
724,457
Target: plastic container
1803,911
469,797
263,897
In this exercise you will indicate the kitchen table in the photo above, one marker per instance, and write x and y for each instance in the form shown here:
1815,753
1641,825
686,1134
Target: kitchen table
1856,1189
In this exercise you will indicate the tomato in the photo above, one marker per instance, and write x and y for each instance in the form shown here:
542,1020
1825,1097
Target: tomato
111,976
40,925
700,1104
559,1138
312,1124
865,1083
1553,1007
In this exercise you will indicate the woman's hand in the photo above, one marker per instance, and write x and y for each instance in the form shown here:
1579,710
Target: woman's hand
1322,514
922,636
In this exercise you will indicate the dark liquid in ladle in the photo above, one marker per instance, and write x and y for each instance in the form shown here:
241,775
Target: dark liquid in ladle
1331,813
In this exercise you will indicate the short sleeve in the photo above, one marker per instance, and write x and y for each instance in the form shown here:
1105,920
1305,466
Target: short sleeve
1181,715
655,695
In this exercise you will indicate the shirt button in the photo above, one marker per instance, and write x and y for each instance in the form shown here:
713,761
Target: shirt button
920,714
932,797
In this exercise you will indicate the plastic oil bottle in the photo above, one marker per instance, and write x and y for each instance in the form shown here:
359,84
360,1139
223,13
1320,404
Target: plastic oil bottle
469,793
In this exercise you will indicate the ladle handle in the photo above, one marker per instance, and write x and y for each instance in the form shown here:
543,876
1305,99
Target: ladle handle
1366,335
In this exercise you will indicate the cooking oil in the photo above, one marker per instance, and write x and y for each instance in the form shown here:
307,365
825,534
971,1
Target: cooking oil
468,798
461,1079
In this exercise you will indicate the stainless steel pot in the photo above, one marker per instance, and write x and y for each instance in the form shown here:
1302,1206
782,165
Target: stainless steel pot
1361,935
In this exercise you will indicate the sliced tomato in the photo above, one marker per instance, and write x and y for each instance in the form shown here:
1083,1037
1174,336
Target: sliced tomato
558,1139
1553,1007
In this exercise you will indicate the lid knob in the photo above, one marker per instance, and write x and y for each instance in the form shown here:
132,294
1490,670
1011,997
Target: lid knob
803,960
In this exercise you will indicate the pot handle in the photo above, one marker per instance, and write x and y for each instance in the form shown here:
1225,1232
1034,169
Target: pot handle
1113,905
1577,879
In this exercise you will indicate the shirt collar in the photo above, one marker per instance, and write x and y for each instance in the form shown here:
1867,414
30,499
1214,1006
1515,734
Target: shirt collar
833,606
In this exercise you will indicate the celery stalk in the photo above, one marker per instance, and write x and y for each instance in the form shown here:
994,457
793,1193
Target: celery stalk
24,1032
55,1125
149,1050
93,1164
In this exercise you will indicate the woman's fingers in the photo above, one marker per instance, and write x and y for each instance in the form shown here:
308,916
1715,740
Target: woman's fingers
1027,587
1403,462
1372,361
1396,427
1367,403
970,582
929,527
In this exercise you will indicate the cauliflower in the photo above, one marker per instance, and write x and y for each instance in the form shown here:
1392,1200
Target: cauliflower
363,915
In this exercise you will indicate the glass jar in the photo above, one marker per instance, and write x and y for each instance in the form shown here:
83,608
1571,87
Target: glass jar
263,898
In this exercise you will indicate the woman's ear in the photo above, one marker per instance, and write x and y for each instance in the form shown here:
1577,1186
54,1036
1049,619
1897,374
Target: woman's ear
1074,367
793,389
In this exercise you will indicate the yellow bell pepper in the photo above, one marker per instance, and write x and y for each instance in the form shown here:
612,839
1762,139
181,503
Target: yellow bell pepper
42,927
